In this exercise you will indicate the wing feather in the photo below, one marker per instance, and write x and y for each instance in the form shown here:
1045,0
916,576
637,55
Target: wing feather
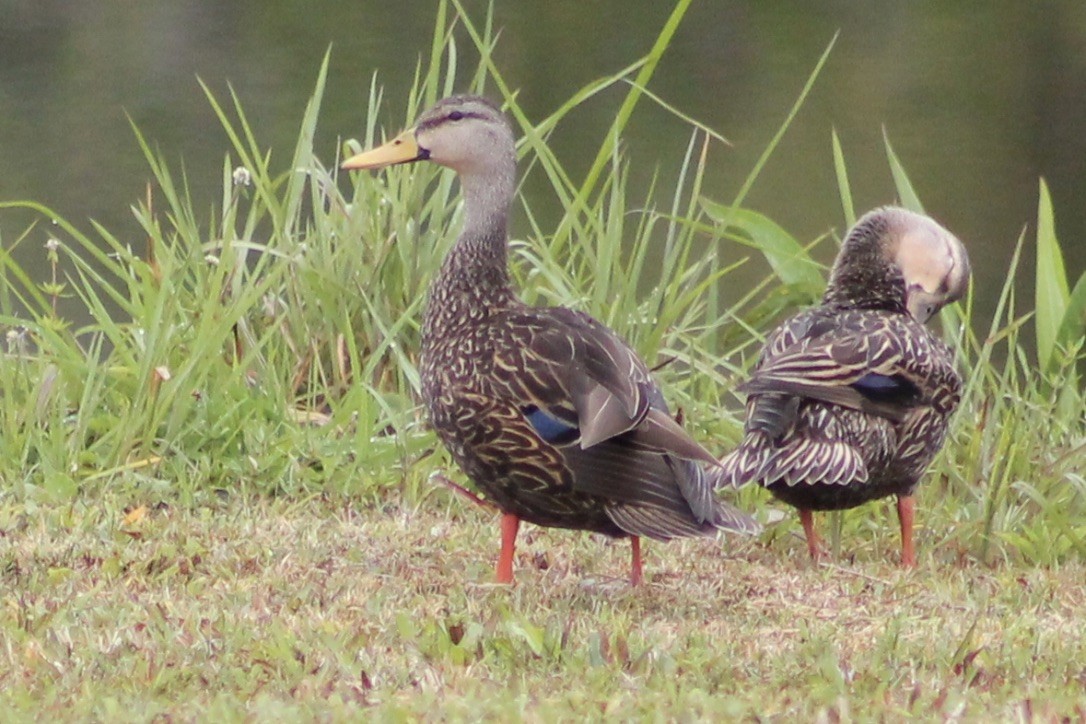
858,360
622,445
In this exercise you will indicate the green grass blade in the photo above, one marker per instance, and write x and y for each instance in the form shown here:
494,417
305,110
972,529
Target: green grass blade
904,187
28,294
789,259
641,80
843,186
1073,326
1051,289
303,149
684,117
741,196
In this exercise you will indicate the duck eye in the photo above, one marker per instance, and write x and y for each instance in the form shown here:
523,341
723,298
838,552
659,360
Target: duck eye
456,116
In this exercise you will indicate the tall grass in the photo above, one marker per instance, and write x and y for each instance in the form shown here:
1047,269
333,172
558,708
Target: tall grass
273,344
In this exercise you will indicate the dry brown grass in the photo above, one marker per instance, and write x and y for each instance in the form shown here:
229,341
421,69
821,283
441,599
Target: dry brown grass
257,607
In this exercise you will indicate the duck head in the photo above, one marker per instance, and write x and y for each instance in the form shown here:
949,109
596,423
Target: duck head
893,257
466,133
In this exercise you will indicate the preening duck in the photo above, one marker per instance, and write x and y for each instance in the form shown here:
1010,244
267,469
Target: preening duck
549,413
850,400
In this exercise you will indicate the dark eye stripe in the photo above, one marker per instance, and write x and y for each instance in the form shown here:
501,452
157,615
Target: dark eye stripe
452,116
463,115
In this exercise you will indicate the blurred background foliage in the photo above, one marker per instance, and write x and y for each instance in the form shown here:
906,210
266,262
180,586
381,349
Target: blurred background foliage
979,98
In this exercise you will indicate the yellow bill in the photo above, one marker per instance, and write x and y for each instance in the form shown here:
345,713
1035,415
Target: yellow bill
401,149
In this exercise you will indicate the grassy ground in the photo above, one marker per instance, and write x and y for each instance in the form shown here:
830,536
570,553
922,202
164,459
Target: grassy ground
214,496
248,607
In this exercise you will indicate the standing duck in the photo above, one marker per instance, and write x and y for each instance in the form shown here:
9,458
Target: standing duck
549,413
850,400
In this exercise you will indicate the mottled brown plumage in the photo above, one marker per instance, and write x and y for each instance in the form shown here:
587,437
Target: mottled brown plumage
850,400
551,415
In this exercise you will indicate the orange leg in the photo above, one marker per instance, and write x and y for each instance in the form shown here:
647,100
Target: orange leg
635,561
905,514
814,545
510,525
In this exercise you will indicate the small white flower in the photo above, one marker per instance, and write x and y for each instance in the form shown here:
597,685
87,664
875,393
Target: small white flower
242,177
52,245
16,339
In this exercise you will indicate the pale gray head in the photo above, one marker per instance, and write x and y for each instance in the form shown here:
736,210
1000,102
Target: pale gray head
466,133
470,135
890,245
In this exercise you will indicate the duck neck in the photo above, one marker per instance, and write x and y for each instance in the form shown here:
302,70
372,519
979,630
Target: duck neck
474,278
866,282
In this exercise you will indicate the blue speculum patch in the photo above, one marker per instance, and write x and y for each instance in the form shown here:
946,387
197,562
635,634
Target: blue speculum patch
550,429
884,387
